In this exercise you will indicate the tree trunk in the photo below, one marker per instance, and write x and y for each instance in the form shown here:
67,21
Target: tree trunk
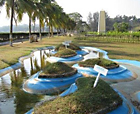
11,23
40,30
51,31
57,31
30,40
34,27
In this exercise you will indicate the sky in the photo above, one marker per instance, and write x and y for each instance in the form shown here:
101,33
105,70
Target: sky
112,7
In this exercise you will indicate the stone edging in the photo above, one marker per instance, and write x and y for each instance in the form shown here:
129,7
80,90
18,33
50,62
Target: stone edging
10,68
66,56
74,71
133,77
107,67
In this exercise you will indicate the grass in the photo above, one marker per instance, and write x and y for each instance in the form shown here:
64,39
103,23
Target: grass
65,53
116,50
10,55
99,61
84,101
57,70
84,98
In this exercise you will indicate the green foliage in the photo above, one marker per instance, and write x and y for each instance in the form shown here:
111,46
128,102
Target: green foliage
71,46
57,68
92,33
113,36
65,53
121,27
99,61
84,101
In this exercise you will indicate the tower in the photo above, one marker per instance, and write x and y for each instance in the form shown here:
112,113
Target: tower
102,22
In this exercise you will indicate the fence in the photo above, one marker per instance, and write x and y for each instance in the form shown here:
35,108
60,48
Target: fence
19,36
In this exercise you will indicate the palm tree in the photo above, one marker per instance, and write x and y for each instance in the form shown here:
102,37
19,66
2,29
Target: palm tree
40,13
10,13
14,7
53,17
11,22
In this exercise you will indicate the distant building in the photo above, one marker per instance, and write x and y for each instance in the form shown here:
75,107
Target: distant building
102,22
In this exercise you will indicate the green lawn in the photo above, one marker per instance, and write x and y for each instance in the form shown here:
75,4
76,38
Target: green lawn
115,50
9,55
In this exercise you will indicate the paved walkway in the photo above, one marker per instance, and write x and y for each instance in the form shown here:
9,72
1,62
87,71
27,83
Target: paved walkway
129,88
14,42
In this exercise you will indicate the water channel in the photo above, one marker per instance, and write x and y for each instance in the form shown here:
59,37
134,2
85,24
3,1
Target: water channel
13,100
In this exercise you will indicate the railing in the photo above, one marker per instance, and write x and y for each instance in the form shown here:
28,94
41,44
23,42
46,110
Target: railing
19,36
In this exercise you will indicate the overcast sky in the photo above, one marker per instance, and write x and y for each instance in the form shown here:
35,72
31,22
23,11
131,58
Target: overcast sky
112,7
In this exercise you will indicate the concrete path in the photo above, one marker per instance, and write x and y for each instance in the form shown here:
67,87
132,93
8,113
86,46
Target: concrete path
14,42
129,88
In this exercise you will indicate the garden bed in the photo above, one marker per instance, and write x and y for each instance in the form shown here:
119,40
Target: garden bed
108,64
71,46
65,53
57,70
85,100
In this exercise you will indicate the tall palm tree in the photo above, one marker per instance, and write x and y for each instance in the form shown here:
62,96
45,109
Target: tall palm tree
10,13
14,7
53,16
11,22
39,12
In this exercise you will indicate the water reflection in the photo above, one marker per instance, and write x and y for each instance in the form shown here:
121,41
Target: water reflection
23,101
12,97
37,65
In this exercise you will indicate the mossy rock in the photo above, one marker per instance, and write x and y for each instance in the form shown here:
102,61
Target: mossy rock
86,100
108,64
57,70
65,53
71,46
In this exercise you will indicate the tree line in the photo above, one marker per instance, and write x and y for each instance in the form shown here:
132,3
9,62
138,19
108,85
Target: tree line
119,23
46,11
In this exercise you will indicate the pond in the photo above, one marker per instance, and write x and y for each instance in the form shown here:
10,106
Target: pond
13,100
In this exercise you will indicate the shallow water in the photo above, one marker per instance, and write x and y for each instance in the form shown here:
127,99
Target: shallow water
13,100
